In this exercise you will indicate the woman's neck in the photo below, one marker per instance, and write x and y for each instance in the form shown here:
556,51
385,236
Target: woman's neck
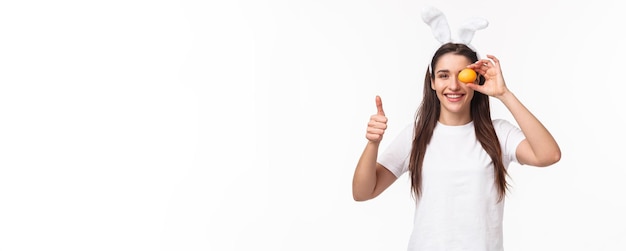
452,119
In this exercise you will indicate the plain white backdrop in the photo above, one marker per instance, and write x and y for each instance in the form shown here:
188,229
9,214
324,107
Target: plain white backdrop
236,125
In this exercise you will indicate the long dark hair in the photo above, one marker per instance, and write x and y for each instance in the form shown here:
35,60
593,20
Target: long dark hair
428,114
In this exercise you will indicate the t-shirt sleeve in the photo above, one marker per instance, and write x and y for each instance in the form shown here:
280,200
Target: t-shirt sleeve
396,156
510,136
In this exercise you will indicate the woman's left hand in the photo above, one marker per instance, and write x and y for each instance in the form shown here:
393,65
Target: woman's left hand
494,81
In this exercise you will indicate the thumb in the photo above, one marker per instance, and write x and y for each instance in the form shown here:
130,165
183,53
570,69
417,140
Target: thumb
379,106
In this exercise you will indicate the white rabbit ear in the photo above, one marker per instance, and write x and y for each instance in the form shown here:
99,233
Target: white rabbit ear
467,30
438,23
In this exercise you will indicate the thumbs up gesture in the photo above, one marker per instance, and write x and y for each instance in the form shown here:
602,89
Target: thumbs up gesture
377,124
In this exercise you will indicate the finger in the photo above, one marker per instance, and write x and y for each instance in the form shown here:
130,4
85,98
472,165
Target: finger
375,131
379,106
496,61
473,86
472,66
484,66
378,118
480,67
377,124
486,62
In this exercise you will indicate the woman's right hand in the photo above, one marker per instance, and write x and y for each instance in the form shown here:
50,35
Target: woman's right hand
377,124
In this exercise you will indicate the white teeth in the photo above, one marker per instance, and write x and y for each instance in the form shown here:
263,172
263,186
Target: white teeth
453,95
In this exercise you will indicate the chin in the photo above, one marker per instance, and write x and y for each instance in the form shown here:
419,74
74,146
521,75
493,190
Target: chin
456,108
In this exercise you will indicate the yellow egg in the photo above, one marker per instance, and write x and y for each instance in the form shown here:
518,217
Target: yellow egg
467,75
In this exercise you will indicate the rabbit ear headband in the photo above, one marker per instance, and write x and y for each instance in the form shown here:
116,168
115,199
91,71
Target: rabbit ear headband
441,30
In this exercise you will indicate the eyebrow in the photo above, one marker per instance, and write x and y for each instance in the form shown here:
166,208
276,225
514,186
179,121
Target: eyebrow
445,71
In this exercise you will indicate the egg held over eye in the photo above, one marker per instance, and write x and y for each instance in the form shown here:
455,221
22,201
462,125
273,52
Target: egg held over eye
467,75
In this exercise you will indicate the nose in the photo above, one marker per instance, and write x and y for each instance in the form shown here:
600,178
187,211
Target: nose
455,84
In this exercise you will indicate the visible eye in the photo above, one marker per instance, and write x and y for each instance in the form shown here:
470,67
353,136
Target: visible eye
443,75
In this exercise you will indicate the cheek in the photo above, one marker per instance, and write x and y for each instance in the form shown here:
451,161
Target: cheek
435,85
470,94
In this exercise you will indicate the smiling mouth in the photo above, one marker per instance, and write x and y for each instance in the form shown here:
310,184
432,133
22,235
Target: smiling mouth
454,97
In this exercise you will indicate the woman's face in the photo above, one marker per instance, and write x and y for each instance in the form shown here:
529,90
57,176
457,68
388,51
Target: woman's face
455,97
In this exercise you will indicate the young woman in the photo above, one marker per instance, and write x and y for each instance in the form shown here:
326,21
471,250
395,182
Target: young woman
455,154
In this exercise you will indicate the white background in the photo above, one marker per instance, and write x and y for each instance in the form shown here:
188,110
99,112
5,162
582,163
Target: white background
236,125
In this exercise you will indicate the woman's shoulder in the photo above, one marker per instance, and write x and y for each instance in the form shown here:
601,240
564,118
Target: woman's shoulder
500,122
503,125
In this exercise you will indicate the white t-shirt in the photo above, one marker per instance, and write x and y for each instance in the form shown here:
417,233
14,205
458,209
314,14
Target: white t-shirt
458,208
